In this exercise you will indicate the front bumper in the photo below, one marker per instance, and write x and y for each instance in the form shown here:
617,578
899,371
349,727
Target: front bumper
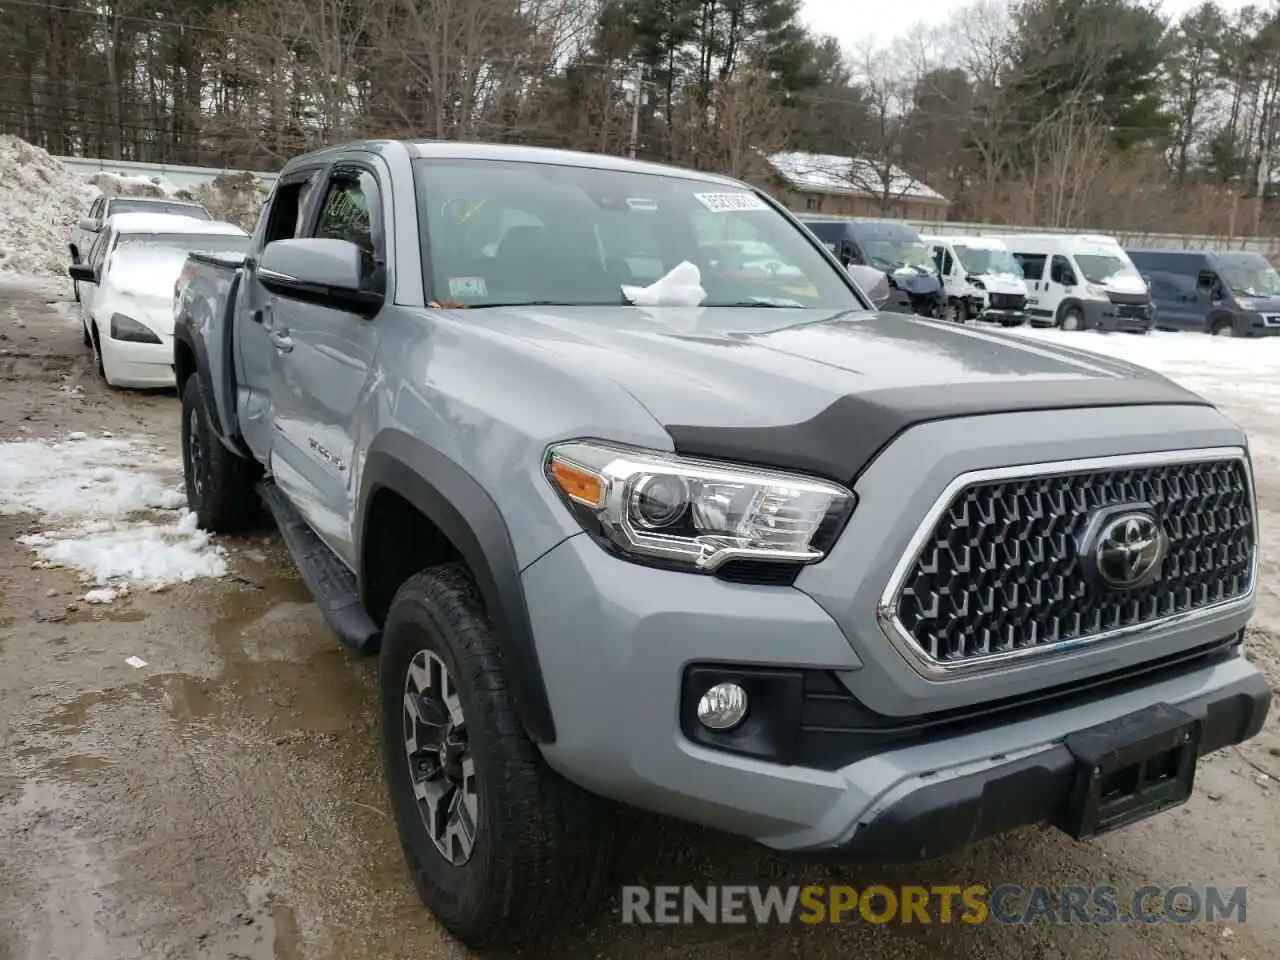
1006,318
620,641
938,818
138,365
1100,315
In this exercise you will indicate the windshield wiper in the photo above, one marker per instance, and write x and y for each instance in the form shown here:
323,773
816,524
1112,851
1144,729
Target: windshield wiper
769,305
549,303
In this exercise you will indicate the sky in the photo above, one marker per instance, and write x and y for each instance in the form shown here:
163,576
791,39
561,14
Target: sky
853,22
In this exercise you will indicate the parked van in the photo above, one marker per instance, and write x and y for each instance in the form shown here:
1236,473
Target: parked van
893,248
1235,294
980,279
1081,282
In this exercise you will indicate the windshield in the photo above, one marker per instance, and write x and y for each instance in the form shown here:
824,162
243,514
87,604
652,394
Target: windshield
159,206
888,255
1249,276
185,242
1101,267
983,260
510,232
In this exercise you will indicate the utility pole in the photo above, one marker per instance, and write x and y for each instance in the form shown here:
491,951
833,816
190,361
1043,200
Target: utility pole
635,110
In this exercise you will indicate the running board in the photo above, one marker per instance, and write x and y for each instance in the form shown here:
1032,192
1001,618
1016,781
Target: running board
330,582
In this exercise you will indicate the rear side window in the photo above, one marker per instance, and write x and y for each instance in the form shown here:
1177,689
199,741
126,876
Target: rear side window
1032,264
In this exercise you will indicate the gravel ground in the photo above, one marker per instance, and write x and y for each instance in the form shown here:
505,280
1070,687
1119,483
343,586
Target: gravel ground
225,800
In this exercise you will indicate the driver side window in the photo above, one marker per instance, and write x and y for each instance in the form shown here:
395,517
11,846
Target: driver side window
347,212
1061,272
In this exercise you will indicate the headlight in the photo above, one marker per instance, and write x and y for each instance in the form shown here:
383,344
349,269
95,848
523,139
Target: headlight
1095,290
126,328
978,284
692,513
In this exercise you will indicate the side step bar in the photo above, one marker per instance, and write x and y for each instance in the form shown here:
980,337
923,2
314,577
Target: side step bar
330,582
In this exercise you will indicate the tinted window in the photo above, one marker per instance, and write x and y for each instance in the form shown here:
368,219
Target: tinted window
1032,264
125,205
346,214
510,232
1060,271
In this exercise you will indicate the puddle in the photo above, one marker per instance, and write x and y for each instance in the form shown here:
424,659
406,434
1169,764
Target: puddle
267,929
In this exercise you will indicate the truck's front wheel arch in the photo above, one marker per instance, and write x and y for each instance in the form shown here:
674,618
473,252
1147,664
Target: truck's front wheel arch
407,523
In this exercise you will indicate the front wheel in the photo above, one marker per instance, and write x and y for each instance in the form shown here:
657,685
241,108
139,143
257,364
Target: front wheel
1072,319
502,849
219,484
1224,329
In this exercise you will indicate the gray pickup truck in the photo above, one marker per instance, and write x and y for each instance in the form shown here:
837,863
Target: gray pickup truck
627,520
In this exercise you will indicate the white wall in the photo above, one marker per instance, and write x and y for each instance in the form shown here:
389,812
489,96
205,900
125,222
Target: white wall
177,174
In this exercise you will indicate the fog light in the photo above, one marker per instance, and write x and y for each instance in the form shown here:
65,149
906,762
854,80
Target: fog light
723,707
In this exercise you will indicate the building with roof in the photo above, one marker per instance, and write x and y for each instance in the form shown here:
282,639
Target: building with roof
847,186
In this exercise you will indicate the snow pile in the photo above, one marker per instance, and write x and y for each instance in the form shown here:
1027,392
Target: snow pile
235,197
123,185
112,511
40,202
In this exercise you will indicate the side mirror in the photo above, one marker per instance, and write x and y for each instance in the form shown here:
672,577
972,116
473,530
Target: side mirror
871,282
322,271
89,226
83,273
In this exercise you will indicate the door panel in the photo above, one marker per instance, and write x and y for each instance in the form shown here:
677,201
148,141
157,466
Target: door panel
326,368
258,365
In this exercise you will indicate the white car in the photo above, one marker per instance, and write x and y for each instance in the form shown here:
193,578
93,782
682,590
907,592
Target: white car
126,290
84,233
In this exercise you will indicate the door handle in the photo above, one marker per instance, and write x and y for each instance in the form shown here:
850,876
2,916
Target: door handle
281,341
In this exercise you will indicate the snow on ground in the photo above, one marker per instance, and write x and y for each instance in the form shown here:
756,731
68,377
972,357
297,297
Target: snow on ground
1225,369
111,509
40,203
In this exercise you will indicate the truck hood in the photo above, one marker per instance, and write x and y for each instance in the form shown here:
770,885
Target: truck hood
1003,283
1125,285
708,374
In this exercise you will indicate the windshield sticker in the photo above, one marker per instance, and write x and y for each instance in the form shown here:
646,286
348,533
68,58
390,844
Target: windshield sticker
730,202
636,203
468,287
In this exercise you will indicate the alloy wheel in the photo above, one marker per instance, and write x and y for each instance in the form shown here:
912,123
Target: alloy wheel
438,752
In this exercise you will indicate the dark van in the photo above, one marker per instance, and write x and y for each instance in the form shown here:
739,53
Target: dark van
893,248
1231,294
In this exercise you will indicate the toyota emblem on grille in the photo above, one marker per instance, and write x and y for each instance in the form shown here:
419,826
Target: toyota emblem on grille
1129,550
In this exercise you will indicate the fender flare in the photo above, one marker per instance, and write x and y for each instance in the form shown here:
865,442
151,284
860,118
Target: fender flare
463,512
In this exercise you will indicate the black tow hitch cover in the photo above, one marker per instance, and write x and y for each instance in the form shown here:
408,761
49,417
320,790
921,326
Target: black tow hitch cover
1130,768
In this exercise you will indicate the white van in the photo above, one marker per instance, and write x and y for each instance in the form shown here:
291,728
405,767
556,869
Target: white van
1081,282
980,278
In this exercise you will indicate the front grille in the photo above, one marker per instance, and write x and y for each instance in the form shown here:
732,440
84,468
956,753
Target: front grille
1000,571
1131,299
1007,301
1132,310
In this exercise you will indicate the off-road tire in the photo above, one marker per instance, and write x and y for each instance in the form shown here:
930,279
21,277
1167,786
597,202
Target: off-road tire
542,844
219,484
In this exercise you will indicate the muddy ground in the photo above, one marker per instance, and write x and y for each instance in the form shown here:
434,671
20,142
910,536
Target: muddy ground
226,800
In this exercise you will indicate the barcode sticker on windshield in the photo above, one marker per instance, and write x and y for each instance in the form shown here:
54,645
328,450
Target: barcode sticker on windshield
730,202
468,287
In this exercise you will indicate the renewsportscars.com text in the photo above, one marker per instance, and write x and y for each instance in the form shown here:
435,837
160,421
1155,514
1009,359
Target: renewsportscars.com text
1007,904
